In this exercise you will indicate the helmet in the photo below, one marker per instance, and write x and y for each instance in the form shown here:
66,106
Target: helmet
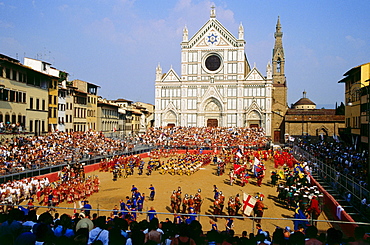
199,190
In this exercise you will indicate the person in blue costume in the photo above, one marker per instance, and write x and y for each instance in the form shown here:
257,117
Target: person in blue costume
193,215
299,214
213,225
133,189
122,205
152,213
229,223
87,208
140,202
152,192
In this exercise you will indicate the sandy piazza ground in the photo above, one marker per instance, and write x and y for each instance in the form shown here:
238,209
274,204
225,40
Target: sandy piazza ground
112,191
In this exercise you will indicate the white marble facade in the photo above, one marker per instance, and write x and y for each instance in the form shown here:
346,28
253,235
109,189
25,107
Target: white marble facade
217,86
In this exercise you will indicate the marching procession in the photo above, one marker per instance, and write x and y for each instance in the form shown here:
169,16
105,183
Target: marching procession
184,164
71,187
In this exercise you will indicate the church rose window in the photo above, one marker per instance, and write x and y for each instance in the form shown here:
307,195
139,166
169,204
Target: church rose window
213,62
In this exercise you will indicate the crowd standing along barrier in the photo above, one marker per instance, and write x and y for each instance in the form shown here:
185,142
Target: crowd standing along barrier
339,182
343,184
90,164
250,223
86,161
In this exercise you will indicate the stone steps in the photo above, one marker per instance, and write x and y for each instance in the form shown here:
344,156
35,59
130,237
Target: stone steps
338,197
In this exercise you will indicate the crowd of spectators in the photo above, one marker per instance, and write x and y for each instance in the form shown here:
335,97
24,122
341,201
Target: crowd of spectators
24,153
19,229
205,137
26,227
344,159
32,152
10,127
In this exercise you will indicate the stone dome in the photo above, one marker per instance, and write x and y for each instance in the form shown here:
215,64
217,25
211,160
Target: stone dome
304,103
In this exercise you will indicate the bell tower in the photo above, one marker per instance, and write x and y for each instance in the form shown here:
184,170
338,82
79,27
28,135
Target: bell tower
279,94
278,59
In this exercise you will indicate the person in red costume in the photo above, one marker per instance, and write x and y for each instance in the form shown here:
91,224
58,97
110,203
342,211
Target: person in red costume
314,210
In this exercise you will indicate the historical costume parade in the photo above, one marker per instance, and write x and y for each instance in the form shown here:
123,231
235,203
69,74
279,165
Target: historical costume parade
243,163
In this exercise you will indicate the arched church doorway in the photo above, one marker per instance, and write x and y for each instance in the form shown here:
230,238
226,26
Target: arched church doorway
170,119
253,119
212,123
212,112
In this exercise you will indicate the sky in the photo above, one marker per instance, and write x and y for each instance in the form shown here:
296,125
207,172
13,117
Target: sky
117,44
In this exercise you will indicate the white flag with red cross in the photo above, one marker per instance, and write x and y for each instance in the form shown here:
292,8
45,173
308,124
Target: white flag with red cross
248,204
238,154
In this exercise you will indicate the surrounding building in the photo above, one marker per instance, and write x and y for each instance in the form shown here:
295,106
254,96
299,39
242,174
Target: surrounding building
107,116
69,107
357,110
125,116
147,116
217,85
36,98
79,108
134,118
62,102
24,96
136,121
85,105
55,111
303,119
92,106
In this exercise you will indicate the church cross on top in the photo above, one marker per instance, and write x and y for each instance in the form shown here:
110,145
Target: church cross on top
213,11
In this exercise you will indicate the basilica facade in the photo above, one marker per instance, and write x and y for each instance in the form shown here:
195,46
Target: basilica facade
217,85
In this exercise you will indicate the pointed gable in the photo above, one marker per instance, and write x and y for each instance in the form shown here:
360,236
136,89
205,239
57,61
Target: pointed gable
171,107
171,76
253,107
212,91
212,34
254,75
